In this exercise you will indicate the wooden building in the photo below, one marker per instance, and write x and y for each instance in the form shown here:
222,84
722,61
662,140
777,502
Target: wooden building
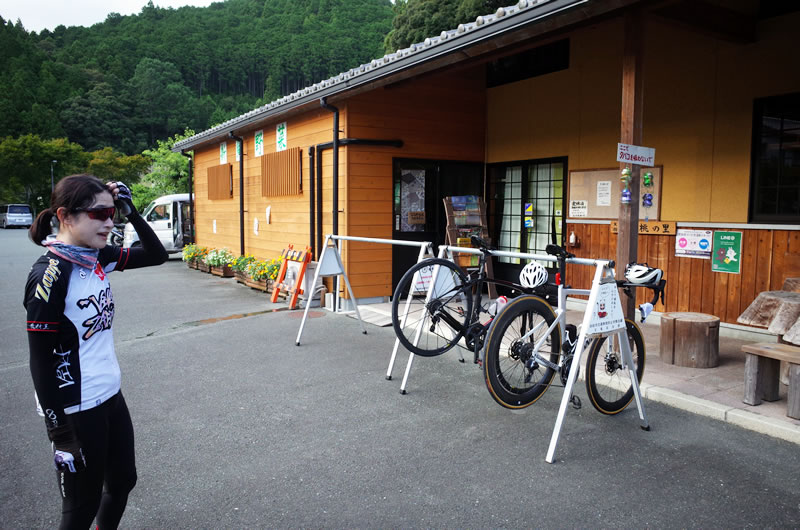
525,107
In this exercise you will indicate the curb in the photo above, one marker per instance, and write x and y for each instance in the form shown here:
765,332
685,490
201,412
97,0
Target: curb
735,416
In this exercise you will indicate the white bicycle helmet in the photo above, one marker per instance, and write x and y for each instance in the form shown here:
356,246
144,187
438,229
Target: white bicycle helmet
642,273
532,275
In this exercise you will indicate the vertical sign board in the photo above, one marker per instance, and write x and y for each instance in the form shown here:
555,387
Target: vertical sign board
223,153
259,139
280,137
238,151
727,253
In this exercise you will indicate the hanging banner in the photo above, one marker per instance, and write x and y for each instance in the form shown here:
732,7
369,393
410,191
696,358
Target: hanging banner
238,151
259,137
693,243
223,153
727,252
280,136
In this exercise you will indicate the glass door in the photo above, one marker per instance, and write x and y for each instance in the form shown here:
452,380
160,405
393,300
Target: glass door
526,208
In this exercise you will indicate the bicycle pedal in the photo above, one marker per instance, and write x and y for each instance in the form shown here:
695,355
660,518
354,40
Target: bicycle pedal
576,402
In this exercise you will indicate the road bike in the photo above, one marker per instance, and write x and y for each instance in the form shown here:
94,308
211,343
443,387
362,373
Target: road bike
436,305
530,342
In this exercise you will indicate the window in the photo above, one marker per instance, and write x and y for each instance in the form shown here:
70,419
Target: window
526,205
158,213
538,61
775,182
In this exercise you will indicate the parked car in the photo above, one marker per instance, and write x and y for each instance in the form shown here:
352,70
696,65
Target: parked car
15,215
169,217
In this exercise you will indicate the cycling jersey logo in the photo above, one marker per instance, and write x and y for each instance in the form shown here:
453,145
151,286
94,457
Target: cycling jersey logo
104,305
51,274
62,370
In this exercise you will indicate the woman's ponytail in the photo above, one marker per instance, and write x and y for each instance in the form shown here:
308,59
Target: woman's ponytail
41,228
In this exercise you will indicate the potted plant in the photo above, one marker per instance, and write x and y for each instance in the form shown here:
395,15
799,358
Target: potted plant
239,267
220,259
189,255
262,273
202,254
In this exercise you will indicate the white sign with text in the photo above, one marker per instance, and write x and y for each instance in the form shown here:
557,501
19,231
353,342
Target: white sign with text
634,154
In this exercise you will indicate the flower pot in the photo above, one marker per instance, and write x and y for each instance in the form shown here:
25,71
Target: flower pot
203,266
191,264
261,285
225,271
241,276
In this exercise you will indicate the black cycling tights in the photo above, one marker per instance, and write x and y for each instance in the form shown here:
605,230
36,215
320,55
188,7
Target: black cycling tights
106,435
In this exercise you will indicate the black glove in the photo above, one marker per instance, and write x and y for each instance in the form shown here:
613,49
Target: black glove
67,452
124,202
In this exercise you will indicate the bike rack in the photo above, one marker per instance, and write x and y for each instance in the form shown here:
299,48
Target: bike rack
330,264
603,285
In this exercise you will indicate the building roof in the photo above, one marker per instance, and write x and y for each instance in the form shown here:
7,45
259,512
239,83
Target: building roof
485,27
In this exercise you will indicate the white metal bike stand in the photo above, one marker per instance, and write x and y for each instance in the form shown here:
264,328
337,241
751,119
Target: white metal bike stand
330,264
603,276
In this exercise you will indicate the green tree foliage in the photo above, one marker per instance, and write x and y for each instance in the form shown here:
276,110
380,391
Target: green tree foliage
168,172
415,20
25,167
109,165
130,80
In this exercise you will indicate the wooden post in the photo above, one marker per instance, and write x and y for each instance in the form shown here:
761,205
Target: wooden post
631,133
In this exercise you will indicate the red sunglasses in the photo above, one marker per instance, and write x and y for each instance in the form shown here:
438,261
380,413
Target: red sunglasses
98,214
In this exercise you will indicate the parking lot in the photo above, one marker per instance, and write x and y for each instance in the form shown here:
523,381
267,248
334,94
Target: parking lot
236,427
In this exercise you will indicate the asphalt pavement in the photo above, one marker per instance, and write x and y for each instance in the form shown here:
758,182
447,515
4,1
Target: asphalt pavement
237,427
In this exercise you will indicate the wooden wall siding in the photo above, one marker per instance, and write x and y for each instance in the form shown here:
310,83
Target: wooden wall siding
220,185
289,214
768,258
281,173
438,117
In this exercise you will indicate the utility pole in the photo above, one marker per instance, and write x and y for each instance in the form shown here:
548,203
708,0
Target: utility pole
52,182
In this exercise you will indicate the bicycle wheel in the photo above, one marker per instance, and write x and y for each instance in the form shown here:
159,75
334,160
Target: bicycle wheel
607,383
514,376
433,324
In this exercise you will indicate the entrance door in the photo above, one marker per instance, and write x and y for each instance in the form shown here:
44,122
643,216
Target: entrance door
526,209
419,187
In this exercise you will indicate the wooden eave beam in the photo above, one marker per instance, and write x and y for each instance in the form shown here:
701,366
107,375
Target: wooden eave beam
708,19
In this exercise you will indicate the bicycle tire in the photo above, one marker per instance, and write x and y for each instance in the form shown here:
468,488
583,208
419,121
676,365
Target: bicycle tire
446,315
511,380
607,383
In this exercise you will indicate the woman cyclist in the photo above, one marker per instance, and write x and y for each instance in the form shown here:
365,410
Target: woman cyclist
75,372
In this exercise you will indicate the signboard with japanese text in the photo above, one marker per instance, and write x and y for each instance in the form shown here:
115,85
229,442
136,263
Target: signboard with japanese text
238,151
607,316
693,243
604,193
280,137
259,139
727,253
635,154
223,153
578,208
660,228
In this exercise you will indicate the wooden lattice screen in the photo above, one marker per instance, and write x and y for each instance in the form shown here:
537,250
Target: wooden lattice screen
281,173
220,182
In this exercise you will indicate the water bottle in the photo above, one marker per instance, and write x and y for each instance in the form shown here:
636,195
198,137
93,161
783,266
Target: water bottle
497,306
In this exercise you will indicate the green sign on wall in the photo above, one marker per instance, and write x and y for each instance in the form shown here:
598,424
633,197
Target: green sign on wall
727,253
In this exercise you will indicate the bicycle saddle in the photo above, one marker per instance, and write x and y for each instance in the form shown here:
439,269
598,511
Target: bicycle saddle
559,252
480,243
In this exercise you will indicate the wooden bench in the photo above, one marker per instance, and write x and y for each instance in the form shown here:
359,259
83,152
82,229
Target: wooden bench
761,371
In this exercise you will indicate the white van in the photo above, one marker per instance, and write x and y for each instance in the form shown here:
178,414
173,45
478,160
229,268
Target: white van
169,218
15,215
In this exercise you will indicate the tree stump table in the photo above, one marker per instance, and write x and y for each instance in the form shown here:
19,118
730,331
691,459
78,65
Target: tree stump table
690,339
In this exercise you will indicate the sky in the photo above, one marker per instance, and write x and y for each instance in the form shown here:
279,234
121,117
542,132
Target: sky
37,15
